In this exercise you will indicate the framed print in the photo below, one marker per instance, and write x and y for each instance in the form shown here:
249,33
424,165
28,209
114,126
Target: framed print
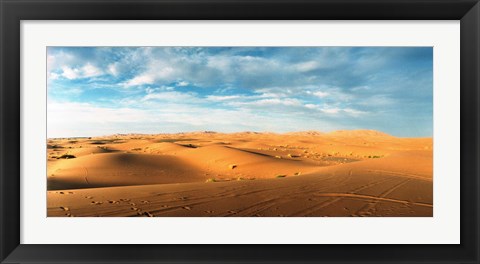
271,131
212,130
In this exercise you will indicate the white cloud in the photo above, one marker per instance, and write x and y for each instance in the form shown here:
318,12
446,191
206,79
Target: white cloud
222,63
171,96
150,77
83,119
139,80
112,69
296,91
60,59
150,90
348,111
287,102
183,83
269,102
70,73
354,112
171,111
53,76
331,110
306,66
219,98
320,94
87,71
50,62
311,106
90,71
272,94
165,72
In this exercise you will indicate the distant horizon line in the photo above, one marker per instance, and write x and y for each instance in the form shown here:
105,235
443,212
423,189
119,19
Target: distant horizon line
312,132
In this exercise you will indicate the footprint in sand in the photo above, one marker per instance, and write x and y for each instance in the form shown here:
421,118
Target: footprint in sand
148,214
366,214
145,202
96,203
64,208
89,197
187,208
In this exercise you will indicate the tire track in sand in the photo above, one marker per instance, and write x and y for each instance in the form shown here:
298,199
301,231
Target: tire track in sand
371,208
334,199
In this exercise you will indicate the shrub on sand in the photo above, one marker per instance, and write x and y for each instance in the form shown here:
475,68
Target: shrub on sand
66,156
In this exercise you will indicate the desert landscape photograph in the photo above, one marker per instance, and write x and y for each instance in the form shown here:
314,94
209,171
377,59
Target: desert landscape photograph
239,132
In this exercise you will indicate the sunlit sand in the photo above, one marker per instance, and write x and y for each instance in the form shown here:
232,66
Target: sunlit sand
337,174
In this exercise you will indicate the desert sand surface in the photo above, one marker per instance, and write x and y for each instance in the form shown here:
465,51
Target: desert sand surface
310,173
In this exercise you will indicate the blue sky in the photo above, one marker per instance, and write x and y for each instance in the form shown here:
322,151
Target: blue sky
95,91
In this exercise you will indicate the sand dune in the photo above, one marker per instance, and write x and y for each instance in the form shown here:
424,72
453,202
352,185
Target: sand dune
344,173
247,163
166,147
116,169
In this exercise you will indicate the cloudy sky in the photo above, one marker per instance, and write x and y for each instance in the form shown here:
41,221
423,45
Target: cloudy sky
96,91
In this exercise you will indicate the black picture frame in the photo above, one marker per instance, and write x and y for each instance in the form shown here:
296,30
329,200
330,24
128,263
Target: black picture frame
13,11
